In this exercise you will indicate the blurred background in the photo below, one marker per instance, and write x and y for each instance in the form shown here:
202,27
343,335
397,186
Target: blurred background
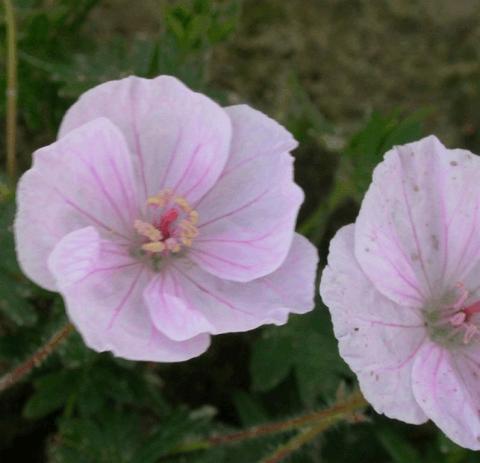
350,78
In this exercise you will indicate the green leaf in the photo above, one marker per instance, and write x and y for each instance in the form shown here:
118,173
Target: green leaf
306,345
368,146
398,447
249,409
52,392
318,367
108,438
15,289
170,433
271,361
75,353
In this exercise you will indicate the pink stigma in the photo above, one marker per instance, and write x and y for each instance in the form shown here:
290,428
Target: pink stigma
462,317
472,309
167,219
172,228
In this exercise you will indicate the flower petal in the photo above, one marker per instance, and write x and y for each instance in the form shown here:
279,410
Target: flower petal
247,219
85,178
255,135
232,307
377,338
418,230
103,290
170,313
446,385
180,139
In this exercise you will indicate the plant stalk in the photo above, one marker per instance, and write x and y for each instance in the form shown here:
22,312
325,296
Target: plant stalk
11,90
341,410
18,373
306,435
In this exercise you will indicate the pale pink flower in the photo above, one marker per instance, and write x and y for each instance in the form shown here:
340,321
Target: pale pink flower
403,288
163,218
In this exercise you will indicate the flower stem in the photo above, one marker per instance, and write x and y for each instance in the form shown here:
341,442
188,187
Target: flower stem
305,436
18,373
11,91
295,443
321,419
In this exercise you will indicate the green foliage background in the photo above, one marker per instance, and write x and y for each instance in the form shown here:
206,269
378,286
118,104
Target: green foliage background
350,78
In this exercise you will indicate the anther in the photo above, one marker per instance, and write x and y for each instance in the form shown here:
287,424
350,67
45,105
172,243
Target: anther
172,245
156,246
173,225
148,230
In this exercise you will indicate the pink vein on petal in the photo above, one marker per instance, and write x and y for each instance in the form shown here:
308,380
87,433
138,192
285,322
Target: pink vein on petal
138,147
462,378
88,215
128,200
386,324
414,230
212,295
115,252
188,168
113,269
221,259
244,206
401,275
270,285
249,241
405,361
252,158
104,191
124,300
435,374
469,240
181,294
200,180
446,231
173,155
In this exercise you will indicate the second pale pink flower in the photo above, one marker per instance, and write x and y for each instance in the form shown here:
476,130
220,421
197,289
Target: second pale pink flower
403,288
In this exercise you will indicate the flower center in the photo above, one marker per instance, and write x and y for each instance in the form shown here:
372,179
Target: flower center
172,225
456,323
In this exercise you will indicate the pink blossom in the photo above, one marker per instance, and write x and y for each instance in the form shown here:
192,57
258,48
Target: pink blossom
403,288
163,218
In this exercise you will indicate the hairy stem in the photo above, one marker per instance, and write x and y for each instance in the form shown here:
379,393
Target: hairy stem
18,373
307,435
11,91
302,438
341,410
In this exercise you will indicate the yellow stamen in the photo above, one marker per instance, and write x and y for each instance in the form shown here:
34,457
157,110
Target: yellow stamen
186,241
161,199
172,245
183,203
193,216
182,232
148,230
156,246
188,227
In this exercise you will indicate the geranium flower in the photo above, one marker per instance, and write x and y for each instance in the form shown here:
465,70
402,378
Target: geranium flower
163,218
403,288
